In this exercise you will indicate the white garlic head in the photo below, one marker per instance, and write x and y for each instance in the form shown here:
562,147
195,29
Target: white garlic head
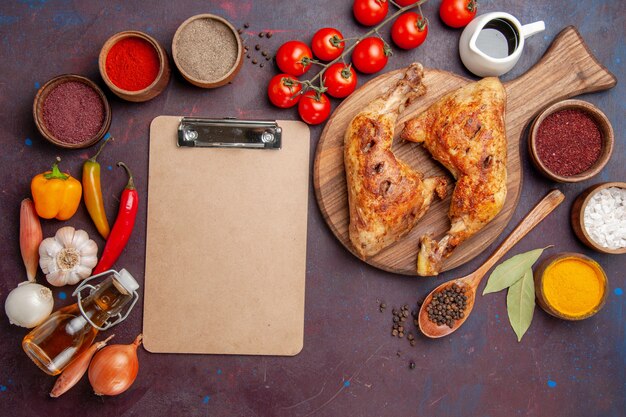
68,257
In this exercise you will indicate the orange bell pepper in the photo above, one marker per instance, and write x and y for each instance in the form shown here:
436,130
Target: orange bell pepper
56,195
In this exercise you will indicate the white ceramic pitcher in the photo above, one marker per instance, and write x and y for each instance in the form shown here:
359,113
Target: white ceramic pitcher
477,60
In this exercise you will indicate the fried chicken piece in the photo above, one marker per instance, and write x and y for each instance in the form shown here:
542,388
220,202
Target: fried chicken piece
465,131
386,196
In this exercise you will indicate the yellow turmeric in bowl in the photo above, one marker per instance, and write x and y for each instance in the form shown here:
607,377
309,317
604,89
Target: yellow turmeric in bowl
573,286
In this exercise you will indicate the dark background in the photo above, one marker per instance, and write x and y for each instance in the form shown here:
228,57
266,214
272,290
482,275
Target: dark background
350,364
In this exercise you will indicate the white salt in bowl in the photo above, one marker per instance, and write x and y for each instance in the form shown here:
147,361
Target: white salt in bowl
578,217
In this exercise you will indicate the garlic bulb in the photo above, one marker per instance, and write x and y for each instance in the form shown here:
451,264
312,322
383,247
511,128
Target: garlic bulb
29,304
67,257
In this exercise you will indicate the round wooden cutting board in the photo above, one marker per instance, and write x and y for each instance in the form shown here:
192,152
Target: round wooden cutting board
567,69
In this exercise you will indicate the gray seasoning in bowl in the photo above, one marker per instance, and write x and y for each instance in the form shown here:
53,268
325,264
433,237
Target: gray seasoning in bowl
207,50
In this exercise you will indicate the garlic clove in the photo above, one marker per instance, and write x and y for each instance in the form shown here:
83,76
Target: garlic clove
48,264
57,278
49,248
83,271
88,249
65,236
80,239
72,277
89,261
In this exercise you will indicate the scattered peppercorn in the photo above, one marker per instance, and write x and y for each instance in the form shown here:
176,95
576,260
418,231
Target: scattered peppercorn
257,47
411,365
269,34
447,305
254,61
240,31
261,34
267,58
400,327
246,25
261,65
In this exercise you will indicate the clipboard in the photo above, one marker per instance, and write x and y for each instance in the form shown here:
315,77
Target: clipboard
226,239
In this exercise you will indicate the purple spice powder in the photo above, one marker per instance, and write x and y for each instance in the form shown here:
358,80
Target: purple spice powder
73,112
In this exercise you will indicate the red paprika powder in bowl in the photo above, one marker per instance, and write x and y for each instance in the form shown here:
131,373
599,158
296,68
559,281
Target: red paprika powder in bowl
571,141
134,66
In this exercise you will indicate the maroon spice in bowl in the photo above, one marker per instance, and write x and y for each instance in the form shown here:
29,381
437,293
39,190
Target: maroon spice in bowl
568,142
571,141
71,111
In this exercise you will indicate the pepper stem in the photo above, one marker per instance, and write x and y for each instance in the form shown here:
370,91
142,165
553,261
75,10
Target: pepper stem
93,158
56,173
131,184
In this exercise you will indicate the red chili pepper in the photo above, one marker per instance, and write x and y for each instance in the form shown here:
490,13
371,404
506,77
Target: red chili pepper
123,226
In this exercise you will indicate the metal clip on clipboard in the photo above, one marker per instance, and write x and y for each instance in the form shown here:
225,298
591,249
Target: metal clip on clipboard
229,133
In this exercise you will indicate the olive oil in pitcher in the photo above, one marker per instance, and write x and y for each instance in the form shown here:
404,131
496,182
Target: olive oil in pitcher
69,331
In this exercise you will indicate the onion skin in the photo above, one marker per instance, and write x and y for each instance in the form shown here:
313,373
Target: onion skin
29,304
30,237
114,369
76,369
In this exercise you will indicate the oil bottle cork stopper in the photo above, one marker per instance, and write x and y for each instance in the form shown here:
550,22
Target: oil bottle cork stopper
126,279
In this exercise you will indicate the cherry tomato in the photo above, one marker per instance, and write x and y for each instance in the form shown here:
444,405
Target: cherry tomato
340,80
327,44
283,91
370,55
370,12
404,3
294,58
457,13
409,30
314,109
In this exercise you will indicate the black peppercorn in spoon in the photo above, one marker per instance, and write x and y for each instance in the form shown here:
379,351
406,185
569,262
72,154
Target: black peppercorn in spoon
470,282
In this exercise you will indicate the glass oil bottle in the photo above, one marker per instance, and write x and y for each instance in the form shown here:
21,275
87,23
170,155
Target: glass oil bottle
67,332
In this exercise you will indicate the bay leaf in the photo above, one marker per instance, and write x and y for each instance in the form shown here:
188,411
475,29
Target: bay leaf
511,270
520,303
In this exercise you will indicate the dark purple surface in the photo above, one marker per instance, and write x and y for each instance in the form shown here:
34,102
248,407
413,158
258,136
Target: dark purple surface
349,365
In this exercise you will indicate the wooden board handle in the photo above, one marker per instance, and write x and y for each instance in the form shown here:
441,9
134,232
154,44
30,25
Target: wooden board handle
568,68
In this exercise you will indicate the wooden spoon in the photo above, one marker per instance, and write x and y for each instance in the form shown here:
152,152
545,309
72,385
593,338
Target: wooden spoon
470,282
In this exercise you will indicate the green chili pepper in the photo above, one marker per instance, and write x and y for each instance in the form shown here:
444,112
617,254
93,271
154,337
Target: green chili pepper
93,193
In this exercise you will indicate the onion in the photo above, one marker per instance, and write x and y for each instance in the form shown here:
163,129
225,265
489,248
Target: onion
29,304
114,368
76,369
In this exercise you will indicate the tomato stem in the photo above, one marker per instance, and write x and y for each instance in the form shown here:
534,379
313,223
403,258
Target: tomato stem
423,21
347,50
336,41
